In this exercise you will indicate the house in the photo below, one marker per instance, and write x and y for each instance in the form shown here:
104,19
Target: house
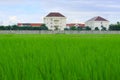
97,22
55,21
29,24
75,25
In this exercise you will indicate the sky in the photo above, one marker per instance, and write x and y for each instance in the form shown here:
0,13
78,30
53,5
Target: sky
76,11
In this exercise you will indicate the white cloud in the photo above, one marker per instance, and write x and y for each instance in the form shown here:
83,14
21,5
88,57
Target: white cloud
13,20
9,20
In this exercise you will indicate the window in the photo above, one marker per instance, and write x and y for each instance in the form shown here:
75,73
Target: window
56,20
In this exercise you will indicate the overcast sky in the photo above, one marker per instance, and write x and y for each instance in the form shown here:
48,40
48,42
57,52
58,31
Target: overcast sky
33,11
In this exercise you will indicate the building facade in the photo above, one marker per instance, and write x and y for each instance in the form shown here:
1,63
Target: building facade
98,22
55,21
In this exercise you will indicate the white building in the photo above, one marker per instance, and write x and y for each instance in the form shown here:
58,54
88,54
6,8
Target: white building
55,21
97,22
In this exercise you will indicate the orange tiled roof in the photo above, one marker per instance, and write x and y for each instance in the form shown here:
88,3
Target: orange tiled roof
30,24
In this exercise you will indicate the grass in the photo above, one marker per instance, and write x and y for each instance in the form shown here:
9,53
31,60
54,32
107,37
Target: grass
60,57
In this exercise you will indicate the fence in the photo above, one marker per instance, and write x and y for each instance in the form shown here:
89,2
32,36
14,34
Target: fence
56,32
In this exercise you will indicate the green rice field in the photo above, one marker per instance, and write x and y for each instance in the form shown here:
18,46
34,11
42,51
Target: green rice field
59,57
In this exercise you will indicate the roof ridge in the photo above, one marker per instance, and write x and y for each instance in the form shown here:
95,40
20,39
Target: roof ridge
55,14
97,18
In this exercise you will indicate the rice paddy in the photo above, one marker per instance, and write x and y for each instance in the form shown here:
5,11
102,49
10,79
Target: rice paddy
59,57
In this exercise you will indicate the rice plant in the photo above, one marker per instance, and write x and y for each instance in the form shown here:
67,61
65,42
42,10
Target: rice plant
59,57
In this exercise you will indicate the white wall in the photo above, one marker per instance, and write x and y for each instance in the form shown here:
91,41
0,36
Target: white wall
93,24
51,22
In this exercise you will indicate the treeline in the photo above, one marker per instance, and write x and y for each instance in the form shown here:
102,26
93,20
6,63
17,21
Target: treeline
15,27
115,27
87,28
112,27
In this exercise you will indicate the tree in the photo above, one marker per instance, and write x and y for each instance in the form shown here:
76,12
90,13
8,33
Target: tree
66,29
114,27
118,23
43,27
79,28
87,28
15,27
96,29
73,28
103,28
2,28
